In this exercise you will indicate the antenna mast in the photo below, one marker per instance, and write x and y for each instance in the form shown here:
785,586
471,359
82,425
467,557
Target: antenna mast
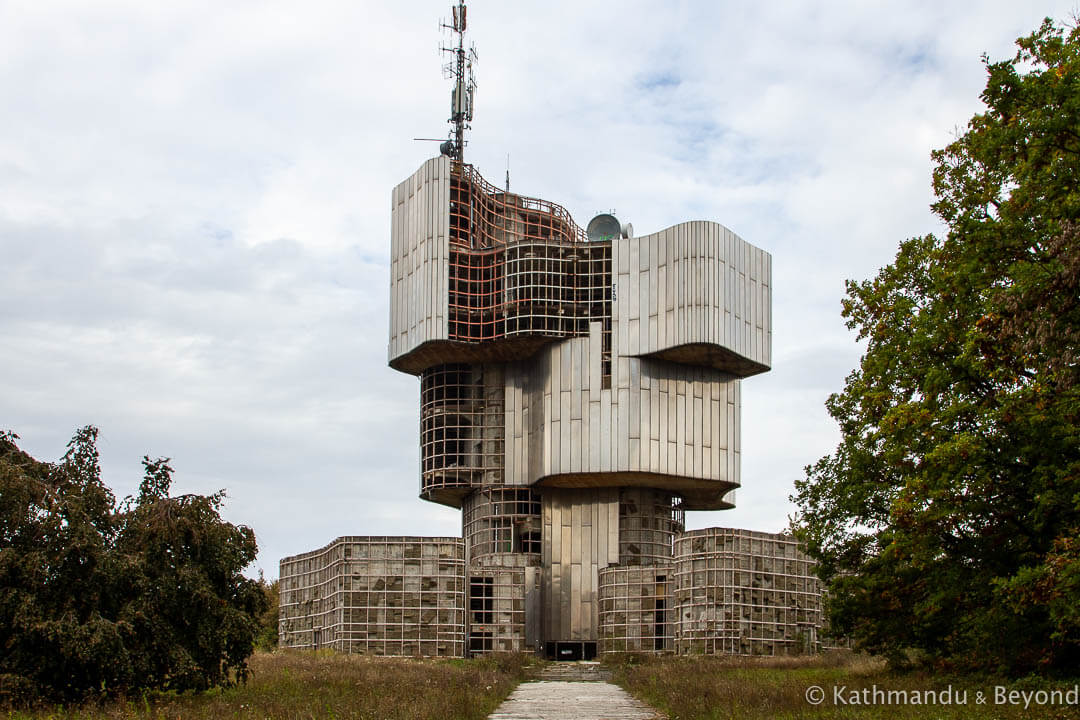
464,91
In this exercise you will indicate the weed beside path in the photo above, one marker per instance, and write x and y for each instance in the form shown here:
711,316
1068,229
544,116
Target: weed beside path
306,685
693,688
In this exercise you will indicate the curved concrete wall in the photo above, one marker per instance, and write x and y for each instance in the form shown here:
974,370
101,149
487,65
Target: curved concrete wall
634,610
741,592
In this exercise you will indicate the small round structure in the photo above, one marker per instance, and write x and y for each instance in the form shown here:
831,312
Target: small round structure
603,227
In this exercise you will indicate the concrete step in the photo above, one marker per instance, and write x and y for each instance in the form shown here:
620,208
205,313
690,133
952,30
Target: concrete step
581,671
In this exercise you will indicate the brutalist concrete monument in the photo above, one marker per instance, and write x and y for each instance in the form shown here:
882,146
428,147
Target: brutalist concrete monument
579,391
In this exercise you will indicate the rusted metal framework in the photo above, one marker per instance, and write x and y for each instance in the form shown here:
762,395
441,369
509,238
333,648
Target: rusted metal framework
520,266
635,609
739,592
377,596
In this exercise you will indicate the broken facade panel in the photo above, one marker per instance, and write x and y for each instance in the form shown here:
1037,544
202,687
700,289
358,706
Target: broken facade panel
635,610
399,596
496,617
739,592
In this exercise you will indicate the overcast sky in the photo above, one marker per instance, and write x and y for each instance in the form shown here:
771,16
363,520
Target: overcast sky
195,212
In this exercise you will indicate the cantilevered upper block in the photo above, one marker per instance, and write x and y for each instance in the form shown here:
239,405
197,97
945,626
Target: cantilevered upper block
419,253
695,293
653,423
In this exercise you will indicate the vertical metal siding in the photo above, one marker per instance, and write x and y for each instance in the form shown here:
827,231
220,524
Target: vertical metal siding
419,261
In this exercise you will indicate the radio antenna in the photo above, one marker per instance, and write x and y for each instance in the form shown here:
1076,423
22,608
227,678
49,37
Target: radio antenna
461,69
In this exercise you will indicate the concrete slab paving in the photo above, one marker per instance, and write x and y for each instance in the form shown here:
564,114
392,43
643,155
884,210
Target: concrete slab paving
567,700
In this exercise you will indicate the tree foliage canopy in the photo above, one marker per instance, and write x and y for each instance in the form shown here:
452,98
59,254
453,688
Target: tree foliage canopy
98,597
947,520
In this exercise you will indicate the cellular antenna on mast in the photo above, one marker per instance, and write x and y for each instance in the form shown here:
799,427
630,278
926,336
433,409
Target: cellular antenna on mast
461,69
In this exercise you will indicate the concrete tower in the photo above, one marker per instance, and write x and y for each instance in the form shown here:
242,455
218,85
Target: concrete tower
578,392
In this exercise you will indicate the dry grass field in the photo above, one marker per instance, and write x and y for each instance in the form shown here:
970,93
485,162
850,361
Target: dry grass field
302,686
306,686
779,688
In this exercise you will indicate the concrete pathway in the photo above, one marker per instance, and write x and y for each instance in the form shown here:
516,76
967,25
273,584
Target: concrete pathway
572,691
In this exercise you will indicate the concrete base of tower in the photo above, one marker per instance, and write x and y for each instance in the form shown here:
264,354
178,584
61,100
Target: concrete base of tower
616,572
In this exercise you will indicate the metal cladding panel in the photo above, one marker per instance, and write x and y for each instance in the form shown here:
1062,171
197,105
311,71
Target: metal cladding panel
419,258
702,297
580,537
659,419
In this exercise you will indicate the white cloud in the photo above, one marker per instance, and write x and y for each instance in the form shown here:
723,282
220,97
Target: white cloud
194,212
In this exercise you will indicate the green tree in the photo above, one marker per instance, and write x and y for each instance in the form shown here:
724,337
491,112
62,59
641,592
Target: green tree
56,525
947,519
268,621
193,616
100,598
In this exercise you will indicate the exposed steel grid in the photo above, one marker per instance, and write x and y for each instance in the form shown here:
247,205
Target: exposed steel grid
648,523
461,426
521,266
496,615
376,595
635,610
483,207
499,521
739,592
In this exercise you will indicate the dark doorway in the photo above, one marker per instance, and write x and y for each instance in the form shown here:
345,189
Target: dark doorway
571,651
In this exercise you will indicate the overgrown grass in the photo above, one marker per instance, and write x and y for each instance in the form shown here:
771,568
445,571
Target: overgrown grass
306,685
688,688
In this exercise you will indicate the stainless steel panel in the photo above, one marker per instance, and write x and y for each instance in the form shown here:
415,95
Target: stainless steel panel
604,441
533,608
594,360
708,390
577,632
596,436
699,421
578,377
419,234
561,461
664,422
633,297
681,428
644,423
622,459
600,533
737,413
566,587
